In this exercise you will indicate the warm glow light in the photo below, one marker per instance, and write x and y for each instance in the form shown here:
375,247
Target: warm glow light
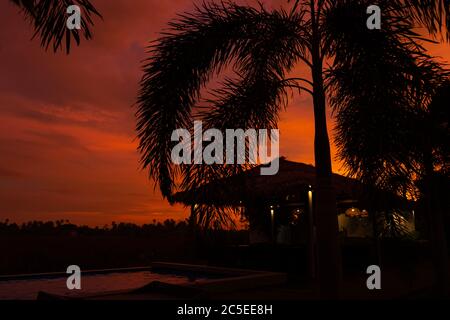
353,212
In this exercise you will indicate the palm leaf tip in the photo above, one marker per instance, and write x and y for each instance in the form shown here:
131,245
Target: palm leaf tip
49,19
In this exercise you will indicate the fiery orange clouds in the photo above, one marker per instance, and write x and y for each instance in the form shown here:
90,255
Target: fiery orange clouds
67,148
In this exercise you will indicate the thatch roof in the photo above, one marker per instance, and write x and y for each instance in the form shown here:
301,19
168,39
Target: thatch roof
293,178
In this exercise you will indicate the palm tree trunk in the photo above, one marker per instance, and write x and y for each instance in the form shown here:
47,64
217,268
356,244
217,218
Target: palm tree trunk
328,246
437,233
194,233
370,190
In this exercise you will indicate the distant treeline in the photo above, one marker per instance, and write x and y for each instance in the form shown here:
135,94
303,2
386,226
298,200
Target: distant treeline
66,227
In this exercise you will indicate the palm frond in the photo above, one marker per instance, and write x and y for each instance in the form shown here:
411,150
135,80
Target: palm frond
183,60
49,18
393,224
251,103
434,15
378,83
215,217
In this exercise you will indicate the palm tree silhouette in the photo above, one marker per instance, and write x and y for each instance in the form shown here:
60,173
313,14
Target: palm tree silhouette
48,18
432,162
263,47
392,128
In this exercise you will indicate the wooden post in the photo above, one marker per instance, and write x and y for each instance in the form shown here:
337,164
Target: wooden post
311,237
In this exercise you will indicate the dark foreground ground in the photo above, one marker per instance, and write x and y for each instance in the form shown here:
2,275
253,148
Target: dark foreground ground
36,252
406,267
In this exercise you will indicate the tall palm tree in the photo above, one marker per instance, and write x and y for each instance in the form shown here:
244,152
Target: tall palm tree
263,47
49,17
431,157
391,130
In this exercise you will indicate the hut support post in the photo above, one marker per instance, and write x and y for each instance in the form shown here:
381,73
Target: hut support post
311,238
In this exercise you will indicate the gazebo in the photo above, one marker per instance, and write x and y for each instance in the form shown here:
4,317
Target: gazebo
277,205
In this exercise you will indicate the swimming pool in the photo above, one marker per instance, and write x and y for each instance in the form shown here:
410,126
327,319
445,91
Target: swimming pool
162,280
91,283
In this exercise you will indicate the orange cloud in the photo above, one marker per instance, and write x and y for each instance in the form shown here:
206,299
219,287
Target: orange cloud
67,123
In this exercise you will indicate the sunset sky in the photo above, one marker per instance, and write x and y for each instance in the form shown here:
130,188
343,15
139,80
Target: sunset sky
67,147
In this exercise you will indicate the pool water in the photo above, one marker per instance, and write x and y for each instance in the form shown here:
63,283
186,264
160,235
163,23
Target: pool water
91,283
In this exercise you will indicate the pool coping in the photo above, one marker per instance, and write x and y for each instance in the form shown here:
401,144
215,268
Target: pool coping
28,276
239,279
236,280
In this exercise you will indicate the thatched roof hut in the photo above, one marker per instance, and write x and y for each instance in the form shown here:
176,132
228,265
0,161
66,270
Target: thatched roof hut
286,198
292,179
